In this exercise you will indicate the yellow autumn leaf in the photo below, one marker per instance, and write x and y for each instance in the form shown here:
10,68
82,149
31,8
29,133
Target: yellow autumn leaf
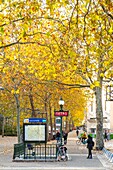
13,91
96,83
110,30
36,74
17,91
101,75
92,86
1,2
32,71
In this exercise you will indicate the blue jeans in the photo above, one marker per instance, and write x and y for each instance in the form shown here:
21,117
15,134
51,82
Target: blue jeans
58,139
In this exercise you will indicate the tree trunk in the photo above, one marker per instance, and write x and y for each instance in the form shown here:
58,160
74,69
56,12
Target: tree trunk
18,116
32,106
51,123
66,128
3,123
45,110
99,117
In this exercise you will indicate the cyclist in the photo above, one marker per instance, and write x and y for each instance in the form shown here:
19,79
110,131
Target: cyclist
83,137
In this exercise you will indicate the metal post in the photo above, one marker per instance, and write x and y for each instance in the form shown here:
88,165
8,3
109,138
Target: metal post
61,103
61,109
61,129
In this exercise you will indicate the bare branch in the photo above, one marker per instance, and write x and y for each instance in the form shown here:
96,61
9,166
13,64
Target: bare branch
21,43
85,20
8,45
106,11
71,85
20,19
72,14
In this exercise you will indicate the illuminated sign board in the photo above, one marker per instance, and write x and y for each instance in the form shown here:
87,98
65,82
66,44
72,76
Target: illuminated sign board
61,113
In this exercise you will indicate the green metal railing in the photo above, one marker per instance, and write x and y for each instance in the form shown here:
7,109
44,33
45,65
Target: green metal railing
40,152
18,150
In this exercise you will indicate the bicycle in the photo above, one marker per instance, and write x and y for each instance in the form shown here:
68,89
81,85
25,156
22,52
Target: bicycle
80,141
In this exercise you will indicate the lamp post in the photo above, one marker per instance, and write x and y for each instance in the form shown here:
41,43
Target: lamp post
61,103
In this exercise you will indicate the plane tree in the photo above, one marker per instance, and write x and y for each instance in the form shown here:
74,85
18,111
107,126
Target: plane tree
76,35
86,47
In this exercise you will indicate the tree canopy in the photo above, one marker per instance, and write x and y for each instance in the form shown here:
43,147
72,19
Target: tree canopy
68,44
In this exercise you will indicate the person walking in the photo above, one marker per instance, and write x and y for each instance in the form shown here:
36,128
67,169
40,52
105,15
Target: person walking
105,135
77,132
90,144
58,136
65,135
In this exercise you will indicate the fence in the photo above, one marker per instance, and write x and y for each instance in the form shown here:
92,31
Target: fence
18,150
108,154
41,152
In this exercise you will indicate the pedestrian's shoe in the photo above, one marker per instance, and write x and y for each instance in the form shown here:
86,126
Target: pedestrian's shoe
88,157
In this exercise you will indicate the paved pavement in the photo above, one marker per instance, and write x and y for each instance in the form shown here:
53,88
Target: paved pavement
77,155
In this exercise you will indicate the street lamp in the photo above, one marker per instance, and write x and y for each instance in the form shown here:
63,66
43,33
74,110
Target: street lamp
61,103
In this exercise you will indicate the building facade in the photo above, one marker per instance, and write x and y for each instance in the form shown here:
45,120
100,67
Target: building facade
107,114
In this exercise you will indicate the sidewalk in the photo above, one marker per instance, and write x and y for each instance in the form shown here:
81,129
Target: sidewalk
77,153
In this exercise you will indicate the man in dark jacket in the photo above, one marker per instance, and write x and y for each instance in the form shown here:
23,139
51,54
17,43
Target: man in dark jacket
58,136
90,145
65,135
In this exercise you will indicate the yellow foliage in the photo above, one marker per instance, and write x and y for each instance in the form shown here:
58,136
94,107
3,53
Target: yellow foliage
55,42
97,83
101,75
92,86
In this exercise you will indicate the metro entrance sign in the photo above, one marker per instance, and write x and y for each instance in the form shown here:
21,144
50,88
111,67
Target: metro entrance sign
61,113
35,120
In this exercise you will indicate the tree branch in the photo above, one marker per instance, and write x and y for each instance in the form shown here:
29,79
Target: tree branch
12,22
21,19
70,85
85,20
17,42
72,14
105,10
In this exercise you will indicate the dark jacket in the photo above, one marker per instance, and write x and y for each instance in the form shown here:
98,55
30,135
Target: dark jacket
65,135
58,135
90,143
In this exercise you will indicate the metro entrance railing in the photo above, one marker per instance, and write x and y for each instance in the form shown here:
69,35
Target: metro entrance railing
41,152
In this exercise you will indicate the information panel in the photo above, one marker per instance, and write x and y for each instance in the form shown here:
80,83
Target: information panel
35,133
